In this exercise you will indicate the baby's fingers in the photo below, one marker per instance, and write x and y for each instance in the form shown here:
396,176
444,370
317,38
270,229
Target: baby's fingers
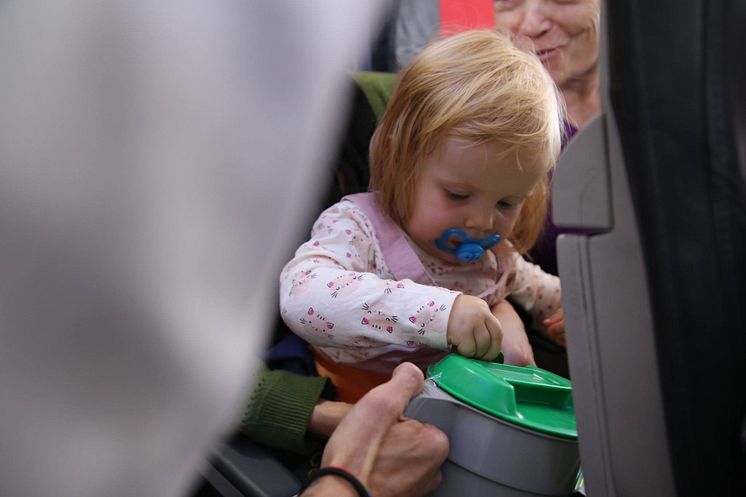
494,327
465,346
557,333
560,339
551,321
558,316
482,340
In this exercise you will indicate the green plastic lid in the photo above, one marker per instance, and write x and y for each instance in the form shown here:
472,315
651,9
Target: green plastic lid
525,396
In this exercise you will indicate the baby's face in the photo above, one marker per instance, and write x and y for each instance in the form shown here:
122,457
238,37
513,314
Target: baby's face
475,188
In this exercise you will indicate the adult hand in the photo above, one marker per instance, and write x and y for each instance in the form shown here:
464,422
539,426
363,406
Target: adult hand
473,330
409,460
392,456
326,416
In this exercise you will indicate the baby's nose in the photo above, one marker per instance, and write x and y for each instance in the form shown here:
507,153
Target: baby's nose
480,220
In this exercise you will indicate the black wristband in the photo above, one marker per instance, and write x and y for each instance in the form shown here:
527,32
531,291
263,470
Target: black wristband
334,471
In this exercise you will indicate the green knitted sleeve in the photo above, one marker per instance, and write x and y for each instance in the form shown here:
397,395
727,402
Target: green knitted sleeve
279,410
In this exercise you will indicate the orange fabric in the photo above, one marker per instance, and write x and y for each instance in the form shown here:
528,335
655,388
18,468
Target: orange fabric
351,383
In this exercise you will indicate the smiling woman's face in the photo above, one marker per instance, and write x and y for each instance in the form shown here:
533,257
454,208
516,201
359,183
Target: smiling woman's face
563,33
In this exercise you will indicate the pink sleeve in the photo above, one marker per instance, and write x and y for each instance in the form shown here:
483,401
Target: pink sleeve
535,291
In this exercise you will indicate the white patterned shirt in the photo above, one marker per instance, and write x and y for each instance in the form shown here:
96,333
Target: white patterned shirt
339,294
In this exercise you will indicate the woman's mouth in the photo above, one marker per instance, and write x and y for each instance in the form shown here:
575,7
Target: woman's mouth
547,53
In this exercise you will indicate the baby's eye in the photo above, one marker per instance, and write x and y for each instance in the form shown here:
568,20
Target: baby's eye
504,204
456,196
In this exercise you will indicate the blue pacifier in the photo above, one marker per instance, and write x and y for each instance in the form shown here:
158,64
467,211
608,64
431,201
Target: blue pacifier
468,250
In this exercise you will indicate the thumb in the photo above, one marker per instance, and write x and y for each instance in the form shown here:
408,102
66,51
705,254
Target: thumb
354,444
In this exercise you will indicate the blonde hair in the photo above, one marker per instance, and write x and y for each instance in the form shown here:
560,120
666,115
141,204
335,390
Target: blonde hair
476,85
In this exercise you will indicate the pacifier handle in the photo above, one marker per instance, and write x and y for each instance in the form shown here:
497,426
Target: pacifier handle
469,249
469,252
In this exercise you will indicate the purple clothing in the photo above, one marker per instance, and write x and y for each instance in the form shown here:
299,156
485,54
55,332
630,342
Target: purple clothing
569,132
544,253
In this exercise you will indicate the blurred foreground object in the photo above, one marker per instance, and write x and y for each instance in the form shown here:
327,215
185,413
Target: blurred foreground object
154,159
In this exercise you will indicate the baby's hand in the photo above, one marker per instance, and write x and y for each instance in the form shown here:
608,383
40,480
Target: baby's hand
555,325
472,329
516,347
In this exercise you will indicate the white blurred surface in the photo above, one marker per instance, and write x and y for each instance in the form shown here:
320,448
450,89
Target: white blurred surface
155,162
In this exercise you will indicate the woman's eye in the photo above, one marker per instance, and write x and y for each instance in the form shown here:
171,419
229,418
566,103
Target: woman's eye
505,4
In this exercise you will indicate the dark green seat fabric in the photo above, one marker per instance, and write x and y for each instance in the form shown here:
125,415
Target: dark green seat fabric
350,172
377,87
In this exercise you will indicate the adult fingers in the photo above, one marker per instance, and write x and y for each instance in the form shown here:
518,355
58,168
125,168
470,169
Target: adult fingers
437,455
438,452
406,381
409,460
389,400
354,444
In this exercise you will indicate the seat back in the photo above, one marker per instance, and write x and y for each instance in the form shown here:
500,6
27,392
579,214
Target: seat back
653,299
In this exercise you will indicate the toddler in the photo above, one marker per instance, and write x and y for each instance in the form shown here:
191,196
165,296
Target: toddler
423,263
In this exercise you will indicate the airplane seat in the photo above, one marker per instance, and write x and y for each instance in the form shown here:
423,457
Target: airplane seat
240,466
654,296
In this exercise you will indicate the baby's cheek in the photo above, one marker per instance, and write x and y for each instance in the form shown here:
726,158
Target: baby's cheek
504,226
513,219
